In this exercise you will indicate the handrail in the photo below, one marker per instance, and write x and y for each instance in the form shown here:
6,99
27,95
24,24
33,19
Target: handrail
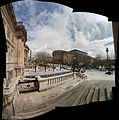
7,91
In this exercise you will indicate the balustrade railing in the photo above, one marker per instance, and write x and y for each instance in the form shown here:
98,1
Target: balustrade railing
10,74
49,82
10,91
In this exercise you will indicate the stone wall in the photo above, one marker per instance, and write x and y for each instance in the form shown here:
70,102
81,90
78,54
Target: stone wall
16,36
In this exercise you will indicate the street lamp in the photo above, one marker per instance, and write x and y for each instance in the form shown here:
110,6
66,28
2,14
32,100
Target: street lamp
107,50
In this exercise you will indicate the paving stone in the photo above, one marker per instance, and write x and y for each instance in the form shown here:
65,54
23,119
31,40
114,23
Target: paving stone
78,93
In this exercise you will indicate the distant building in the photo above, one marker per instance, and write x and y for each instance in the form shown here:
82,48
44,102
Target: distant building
16,37
58,56
68,57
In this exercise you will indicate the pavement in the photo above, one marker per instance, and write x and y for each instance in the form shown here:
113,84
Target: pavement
99,75
27,102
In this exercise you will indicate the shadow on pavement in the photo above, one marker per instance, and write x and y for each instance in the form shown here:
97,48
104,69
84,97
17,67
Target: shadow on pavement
96,110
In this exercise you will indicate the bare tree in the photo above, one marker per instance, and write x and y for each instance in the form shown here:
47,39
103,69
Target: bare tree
99,57
42,59
97,62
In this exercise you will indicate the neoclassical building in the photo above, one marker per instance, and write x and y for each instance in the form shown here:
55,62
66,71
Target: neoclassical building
68,57
26,55
17,50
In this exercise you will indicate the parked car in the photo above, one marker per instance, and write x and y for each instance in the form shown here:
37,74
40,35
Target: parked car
82,70
108,72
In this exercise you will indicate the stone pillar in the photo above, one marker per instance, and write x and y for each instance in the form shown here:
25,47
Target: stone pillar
115,26
37,82
115,90
74,77
18,71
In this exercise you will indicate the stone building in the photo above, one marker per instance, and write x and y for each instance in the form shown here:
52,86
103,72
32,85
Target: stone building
68,57
26,56
21,47
58,56
16,37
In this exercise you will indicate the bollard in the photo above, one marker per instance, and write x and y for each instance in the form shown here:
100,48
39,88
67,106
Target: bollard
74,76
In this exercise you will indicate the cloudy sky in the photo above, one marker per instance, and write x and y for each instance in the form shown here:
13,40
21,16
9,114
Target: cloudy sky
52,26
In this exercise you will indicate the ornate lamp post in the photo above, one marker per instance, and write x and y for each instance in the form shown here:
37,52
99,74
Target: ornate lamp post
107,50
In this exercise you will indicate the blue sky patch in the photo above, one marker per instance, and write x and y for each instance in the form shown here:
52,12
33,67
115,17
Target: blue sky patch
46,22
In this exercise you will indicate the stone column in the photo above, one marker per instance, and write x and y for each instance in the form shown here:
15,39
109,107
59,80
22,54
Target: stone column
115,26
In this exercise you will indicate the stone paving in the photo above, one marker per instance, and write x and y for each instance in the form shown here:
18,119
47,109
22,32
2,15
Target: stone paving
99,75
27,102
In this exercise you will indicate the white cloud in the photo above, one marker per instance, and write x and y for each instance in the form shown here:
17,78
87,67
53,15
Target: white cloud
98,46
62,29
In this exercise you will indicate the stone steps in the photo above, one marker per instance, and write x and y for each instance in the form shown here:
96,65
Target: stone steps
82,99
83,93
61,101
95,95
109,93
102,95
90,95
81,96
72,99
60,98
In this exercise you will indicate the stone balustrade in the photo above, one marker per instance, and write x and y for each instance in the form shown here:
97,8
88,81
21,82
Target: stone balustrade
81,76
10,91
49,82
42,83
10,74
84,93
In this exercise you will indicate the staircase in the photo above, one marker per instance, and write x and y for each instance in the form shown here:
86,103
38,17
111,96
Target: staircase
85,92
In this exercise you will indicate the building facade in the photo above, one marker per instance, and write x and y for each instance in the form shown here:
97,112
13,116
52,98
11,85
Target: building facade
27,55
16,37
68,57
22,48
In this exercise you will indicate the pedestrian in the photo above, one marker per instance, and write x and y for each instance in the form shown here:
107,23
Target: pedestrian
82,70
35,67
